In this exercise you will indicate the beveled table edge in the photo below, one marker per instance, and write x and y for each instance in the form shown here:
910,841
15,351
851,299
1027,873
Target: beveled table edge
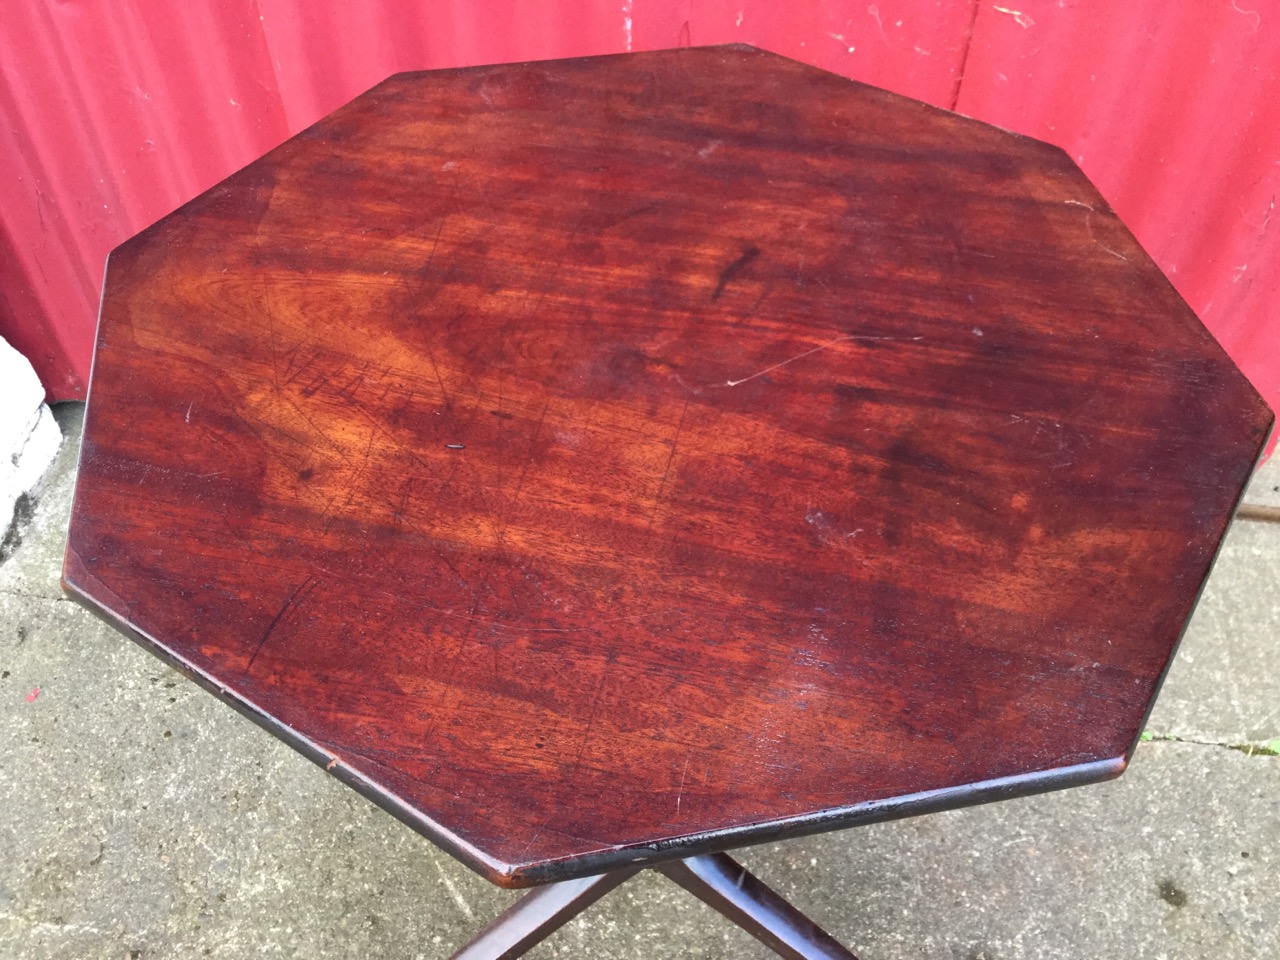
534,873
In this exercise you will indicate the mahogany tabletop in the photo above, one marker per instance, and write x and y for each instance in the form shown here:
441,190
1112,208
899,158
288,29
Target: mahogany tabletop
607,460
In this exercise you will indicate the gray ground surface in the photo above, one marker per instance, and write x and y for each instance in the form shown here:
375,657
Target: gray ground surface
139,818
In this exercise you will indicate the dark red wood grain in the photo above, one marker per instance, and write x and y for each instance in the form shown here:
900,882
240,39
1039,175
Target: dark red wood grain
607,460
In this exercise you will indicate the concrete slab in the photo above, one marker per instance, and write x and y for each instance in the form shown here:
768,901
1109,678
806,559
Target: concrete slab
1264,488
140,818
1224,685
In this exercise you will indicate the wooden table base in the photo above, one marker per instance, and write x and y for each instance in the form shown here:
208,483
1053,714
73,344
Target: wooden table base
717,880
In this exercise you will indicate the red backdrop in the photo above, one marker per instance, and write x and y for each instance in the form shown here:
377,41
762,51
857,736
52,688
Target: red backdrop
117,111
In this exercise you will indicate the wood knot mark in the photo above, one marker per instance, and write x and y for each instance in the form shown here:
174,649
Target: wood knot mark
733,269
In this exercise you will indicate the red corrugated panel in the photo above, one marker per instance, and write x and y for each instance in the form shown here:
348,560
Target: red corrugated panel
913,47
325,52
114,114
117,113
1173,109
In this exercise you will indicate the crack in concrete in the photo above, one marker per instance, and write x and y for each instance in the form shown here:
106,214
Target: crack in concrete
1270,748
33,596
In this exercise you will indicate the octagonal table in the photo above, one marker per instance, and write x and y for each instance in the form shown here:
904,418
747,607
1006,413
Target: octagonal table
600,464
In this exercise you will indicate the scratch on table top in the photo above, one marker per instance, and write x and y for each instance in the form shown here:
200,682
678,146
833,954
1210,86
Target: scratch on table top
435,369
329,515
812,351
591,718
504,625
308,584
689,387
533,444
675,442
582,749
306,418
1088,222
680,789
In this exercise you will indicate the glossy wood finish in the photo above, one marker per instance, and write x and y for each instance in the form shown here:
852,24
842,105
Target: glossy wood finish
606,461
